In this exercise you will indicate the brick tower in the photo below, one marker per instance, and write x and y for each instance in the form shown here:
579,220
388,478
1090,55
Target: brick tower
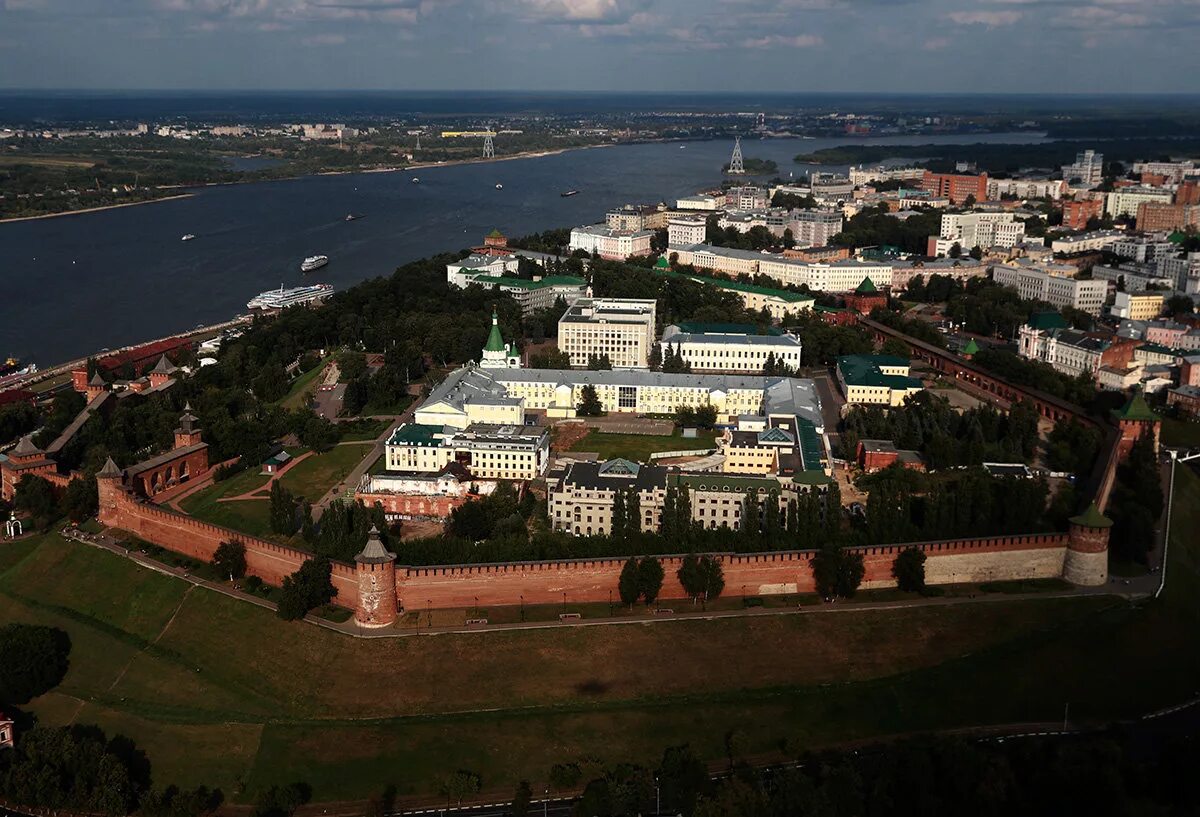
109,487
1086,561
376,571
1136,419
188,432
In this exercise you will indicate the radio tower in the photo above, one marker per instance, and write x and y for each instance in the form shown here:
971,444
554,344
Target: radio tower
489,150
735,161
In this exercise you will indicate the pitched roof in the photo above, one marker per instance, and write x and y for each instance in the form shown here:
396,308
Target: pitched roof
97,380
164,366
866,287
25,448
110,469
495,342
1135,408
1047,319
1091,518
373,552
972,348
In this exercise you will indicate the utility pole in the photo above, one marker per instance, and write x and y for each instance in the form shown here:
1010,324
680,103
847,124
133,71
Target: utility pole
735,161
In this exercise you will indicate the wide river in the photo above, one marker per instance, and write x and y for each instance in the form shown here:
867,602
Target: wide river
72,285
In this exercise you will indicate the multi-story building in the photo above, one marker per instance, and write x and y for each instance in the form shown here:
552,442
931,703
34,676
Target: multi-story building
1132,277
1144,249
622,329
957,188
960,269
702,201
814,228
1033,338
747,197
1157,216
615,245
686,229
1052,284
1086,242
1087,170
511,452
777,302
1025,188
634,218
1074,353
836,276
538,293
1135,307
1175,172
1124,201
731,347
1184,271
860,175
829,187
983,230
1076,214
466,272
876,379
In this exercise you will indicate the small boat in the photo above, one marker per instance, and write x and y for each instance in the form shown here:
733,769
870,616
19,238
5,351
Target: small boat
415,180
568,193
352,217
313,262
683,147
499,186
188,237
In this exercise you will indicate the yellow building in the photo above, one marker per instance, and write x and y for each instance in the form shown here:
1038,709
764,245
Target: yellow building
876,379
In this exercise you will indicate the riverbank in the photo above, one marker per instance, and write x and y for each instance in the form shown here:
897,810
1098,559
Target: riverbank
83,210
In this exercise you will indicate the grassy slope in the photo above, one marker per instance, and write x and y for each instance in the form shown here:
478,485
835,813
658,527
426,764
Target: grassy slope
268,706
317,474
248,516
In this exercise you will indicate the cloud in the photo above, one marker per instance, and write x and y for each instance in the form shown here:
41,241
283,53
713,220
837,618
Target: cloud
936,44
602,12
986,18
324,39
778,40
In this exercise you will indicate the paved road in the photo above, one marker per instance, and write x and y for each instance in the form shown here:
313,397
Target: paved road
352,479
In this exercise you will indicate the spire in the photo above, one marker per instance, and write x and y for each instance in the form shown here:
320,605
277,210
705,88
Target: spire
1136,408
495,342
109,470
373,552
164,366
187,421
97,380
866,287
972,348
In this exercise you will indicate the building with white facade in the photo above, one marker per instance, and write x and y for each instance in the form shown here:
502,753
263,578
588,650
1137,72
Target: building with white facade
1174,171
747,197
637,217
702,201
982,230
876,379
1033,338
1052,284
1134,307
1086,242
686,229
514,452
814,228
1025,188
829,187
835,276
1144,249
1088,168
622,329
463,273
861,175
615,245
1124,201
731,348
1132,277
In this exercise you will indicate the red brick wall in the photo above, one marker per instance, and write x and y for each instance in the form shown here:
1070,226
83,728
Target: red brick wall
434,507
199,540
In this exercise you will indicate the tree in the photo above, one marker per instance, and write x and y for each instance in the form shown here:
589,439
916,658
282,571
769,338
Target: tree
81,501
955,250
683,778
565,776
627,585
837,572
459,785
589,402
522,799
308,587
599,362
909,570
230,560
35,496
619,520
281,801
650,578
283,510
35,659
701,576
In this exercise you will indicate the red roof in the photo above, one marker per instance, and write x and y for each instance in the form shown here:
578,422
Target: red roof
140,356
16,396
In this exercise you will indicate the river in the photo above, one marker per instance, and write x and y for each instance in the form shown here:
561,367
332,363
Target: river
72,285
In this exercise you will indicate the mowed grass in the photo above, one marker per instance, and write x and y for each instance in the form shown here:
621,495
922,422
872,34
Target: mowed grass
222,692
302,388
639,447
250,516
313,478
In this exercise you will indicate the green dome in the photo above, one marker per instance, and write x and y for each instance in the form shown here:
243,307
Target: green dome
495,343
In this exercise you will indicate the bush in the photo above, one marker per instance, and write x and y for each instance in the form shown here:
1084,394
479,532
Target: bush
34,661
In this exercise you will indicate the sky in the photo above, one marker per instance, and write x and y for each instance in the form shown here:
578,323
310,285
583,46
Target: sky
950,46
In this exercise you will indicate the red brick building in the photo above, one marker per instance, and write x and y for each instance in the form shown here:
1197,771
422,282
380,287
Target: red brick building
1161,216
865,298
188,458
1077,213
875,455
955,187
819,254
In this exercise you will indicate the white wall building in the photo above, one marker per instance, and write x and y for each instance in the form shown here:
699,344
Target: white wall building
982,230
1124,201
1025,188
814,228
1088,169
615,245
1086,242
686,229
623,329
701,201
1052,284
730,351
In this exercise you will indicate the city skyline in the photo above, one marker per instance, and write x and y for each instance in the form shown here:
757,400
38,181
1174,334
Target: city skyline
994,46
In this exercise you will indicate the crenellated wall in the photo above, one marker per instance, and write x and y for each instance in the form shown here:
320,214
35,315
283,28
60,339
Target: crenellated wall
119,508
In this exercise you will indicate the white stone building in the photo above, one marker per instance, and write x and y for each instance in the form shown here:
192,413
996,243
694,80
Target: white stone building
623,329
615,245
1053,284
739,349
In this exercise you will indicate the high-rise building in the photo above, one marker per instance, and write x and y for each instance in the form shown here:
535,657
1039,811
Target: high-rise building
1088,169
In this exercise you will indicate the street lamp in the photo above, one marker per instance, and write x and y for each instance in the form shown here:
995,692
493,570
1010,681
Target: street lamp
522,597
1162,568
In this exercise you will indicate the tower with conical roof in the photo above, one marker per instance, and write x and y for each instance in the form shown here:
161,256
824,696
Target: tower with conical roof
188,432
496,353
1136,419
375,568
1086,559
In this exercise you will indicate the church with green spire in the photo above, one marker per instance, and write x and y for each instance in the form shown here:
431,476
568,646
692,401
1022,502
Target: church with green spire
496,353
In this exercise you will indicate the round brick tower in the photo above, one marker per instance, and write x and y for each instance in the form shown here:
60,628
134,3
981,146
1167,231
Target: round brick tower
108,485
376,571
1086,561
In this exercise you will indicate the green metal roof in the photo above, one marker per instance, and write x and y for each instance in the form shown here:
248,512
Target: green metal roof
1136,409
1046,320
415,434
972,348
525,283
699,328
495,343
662,263
1091,518
864,370
740,286
867,287
495,233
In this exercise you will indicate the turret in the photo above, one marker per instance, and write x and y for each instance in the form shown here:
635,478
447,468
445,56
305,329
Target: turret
375,567
188,432
1136,419
1086,561
95,387
163,371
109,487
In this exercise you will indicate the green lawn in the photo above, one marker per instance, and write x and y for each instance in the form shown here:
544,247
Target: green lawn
313,477
1180,433
222,692
250,516
639,447
301,388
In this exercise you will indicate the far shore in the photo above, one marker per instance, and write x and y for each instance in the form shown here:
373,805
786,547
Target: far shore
96,209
